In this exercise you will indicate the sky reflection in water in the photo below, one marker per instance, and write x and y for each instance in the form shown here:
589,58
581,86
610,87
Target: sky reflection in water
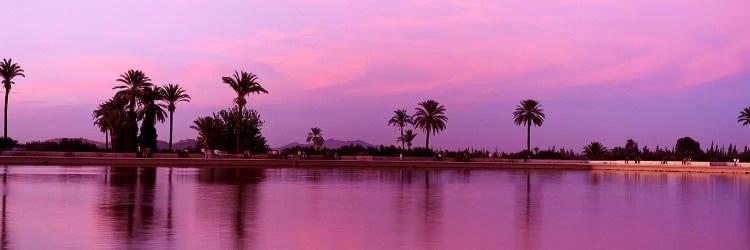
46,207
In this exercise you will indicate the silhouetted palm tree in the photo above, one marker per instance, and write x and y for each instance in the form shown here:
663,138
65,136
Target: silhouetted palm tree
174,93
9,70
744,117
315,136
110,118
400,119
594,150
631,147
150,111
407,138
527,113
208,129
150,107
430,117
243,84
134,84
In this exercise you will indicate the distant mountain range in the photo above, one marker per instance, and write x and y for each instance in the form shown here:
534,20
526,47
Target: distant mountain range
330,143
178,145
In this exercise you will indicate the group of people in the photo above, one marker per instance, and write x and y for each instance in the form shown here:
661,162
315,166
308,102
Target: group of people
208,154
637,160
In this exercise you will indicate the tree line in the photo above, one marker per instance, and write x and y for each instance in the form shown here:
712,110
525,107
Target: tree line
138,100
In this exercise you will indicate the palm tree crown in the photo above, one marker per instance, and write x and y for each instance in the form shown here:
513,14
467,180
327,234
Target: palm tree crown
134,84
744,117
243,84
400,119
594,150
173,93
407,138
208,128
151,109
8,71
528,113
430,117
315,136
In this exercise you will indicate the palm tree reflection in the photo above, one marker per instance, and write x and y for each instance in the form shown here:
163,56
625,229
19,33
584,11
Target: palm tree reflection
528,209
4,223
245,198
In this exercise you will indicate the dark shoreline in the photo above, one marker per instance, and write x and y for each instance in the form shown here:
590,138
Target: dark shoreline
272,163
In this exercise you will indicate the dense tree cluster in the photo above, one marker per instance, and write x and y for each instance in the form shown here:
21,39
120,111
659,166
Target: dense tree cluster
218,131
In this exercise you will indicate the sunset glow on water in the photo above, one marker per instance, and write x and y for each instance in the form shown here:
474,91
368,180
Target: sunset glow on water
48,207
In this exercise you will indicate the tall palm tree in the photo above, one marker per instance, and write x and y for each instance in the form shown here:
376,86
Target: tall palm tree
430,117
527,113
151,111
8,70
134,83
594,150
174,93
744,117
315,136
407,138
243,84
400,119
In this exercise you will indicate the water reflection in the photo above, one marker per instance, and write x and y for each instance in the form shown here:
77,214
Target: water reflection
243,208
242,187
527,213
128,204
4,222
432,209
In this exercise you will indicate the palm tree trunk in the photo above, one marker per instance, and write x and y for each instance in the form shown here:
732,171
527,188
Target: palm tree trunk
5,126
171,121
427,141
239,124
131,137
402,138
528,138
106,141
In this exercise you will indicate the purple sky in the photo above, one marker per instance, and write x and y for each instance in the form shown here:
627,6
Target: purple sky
605,70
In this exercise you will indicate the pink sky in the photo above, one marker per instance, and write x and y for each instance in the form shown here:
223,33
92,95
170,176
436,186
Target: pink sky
604,70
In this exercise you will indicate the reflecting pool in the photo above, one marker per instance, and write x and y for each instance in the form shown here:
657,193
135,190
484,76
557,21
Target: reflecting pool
53,207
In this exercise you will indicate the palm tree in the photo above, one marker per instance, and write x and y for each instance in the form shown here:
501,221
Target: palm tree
134,83
208,129
151,111
315,136
401,119
744,117
594,150
430,117
110,118
527,113
243,84
407,138
173,93
631,147
8,70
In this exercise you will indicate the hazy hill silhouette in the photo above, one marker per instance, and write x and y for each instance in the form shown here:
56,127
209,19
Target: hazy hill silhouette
178,145
329,143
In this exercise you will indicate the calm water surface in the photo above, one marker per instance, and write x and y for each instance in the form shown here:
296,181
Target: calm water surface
50,207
